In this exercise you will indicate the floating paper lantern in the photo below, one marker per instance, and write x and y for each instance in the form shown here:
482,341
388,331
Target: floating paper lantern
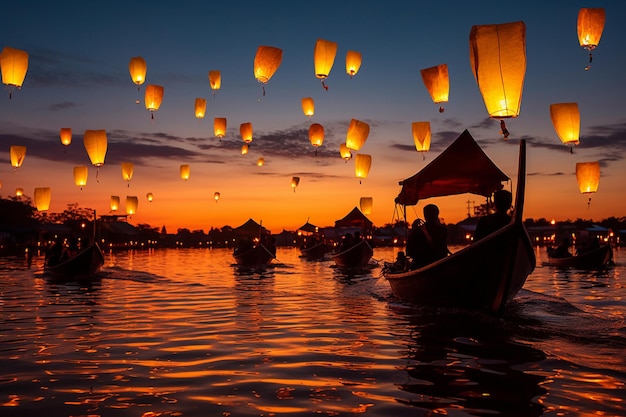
353,62
437,82
215,80
308,106
357,134
498,61
81,173
588,177
294,183
244,149
153,98
324,58
219,127
260,162
266,62
42,198
114,203
137,68
246,132
66,136
316,135
184,172
200,107
566,120
18,153
150,197
216,196
14,63
19,192
127,171
366,204
362,165
590,26
95,142
132,202
345,152
421,136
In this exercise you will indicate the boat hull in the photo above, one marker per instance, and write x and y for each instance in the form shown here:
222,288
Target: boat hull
356,256
316,252
594,259
254,257
82,267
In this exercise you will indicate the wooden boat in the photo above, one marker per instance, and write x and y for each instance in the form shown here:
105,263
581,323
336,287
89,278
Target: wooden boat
256,256
81,267
487,274
356,256
593,259
315,252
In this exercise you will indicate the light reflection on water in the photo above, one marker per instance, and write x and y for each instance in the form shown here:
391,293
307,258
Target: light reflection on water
185,332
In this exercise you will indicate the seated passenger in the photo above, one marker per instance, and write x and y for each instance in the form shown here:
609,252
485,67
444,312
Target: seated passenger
562,251
427,242
488,224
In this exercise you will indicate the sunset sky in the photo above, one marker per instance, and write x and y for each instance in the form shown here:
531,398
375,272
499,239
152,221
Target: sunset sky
78,78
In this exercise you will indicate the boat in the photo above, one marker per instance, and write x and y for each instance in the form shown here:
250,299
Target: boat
596,258
313,245
483,276
356,256
81,267
315,252
257,256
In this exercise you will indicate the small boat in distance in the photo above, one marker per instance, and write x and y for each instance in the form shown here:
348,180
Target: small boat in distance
256,256
81,267
596,258
356,256
315,252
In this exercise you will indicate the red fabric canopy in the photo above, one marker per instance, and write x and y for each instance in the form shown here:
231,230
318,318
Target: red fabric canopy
355,218
462,168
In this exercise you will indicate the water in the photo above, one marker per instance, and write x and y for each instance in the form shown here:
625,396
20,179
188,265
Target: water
186,333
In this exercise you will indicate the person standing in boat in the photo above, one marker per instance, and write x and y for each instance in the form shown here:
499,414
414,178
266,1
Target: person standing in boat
428,241
488,224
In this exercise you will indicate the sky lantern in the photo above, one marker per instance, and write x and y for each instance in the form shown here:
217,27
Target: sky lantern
19,192
184,172
81,172
114,202
498,61
14,63
95,142
266,62
366,204
127,171
132,202
215,80
421,136
244,149
18,153
66,136
260,162
362,165
357,134
345,152
316,135
219,127
246,132
324,58
42,198
294,183
200,107
437,82
588,177
308,106
353,62
216,196
137,68
566,121
149,197
590,26
153,98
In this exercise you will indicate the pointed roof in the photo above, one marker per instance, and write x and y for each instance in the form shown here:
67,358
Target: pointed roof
461,168
308,227
355,218
250,228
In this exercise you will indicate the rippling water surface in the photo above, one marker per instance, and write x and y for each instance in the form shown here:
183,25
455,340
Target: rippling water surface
186,333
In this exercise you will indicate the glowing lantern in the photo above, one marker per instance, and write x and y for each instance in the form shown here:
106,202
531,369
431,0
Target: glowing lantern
215,80
316,135
127,171
184,172
324,58
81,173
353,63
590,27
246,132
437,82
42,198
66,136
19,192
366,204
216,196
244,149
18,153
498,61
95,142
14,65
153,98
566,121
362,165
421,136
308,106
266,62
200,107
131,204
345,153
219,127
357,134
588,177
294,183
114,202
260,162
137,68
150,197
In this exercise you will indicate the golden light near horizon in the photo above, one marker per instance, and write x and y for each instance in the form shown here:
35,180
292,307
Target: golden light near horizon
42,197
421,136
132,203
18,153
323,58
114,203
81,172
200,107
353,62
498,62
357,134
437,82
308,106
185,170
219,127
14,65
590,26
566,120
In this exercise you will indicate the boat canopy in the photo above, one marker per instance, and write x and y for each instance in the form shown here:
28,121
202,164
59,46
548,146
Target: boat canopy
355,219
462,168
250,228
309,228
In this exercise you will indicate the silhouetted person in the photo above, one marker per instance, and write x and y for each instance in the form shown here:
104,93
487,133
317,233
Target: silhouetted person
488,224
562,251
347,242
427,242
71,250
54,252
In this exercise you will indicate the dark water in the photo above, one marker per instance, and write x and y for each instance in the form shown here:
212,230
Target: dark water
185,333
